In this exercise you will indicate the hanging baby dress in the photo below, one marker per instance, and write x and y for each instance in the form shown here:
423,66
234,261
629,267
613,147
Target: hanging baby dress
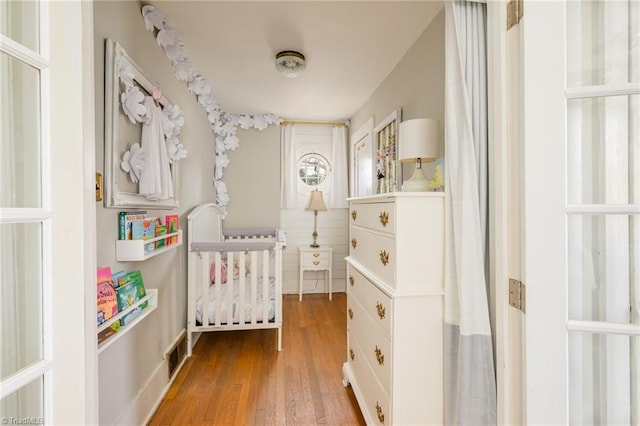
155,180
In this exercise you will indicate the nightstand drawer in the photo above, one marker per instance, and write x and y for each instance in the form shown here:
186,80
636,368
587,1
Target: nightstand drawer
373,300
311,260
378,216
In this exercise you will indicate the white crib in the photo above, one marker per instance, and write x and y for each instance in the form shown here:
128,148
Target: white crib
248,295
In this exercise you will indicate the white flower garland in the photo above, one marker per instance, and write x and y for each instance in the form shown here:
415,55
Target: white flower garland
223,124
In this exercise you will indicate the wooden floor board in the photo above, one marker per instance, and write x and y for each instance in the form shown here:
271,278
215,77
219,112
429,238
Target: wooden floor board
239,378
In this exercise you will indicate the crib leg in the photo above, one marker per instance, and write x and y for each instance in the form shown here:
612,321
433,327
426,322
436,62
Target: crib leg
279,338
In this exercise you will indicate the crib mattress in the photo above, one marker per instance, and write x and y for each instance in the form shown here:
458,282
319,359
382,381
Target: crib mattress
237,305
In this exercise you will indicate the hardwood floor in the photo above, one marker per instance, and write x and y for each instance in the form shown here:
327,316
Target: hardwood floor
239,378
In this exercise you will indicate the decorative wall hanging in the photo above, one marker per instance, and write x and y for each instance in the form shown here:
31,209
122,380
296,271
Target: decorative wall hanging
140,163
388,168
223,124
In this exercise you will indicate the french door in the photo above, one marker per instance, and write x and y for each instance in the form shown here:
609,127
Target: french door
25,222
47,214
582,211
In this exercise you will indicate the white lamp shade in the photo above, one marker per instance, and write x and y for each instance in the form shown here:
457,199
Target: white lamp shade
419,138
316,201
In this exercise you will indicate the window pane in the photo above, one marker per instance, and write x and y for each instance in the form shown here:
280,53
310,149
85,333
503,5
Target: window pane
603,151
24,406
19,134
20,296
601,379
19,21
602,42
604,265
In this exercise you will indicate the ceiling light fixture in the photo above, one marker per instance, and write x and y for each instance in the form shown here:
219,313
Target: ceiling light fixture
290,63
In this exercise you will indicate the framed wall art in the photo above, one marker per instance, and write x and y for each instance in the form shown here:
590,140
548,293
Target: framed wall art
128,106
361,168
388,171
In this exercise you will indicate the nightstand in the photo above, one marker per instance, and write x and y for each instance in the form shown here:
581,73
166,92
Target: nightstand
316,259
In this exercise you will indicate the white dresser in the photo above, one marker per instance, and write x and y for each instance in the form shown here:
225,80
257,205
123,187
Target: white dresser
395,321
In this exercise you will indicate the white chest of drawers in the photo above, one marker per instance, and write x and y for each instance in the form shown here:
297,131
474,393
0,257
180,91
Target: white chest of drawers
395,307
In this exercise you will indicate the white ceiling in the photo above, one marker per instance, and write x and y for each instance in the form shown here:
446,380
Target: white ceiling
350,47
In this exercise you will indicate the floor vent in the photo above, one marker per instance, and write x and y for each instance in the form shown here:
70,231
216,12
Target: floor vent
177,353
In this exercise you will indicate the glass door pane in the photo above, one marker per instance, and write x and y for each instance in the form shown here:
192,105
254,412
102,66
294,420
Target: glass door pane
19,20
21,335
20,144
24,406
600,368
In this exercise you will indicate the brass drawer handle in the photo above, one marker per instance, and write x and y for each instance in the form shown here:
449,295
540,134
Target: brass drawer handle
384,218
379,356
354,214
379,412
352,280
316,262
316,254
350,313
381,310
352,354
384,257
354,242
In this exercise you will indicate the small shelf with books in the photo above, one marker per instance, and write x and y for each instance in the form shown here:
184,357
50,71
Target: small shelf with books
134,250
152,299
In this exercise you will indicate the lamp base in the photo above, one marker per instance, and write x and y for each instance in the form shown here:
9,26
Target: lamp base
314,245
417,183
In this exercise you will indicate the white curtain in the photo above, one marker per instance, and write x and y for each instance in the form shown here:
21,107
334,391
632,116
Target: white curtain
288,180
470,389
339,180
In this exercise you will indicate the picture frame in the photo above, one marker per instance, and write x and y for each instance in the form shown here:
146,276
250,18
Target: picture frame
120,134
388,170
361,157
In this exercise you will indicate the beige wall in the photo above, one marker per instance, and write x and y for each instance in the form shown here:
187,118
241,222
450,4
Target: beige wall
253,183
126,366
253,180
416,85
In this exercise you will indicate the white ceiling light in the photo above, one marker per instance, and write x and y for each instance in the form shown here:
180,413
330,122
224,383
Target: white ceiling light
290,63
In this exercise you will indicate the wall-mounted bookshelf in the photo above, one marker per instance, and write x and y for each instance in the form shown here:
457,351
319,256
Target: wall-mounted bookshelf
151,297
134,250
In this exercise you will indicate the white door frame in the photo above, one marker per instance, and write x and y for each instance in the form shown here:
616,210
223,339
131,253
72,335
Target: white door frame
509,380
75,378
545,201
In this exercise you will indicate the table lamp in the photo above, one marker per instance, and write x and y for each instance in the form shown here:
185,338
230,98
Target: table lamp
418,144
316,204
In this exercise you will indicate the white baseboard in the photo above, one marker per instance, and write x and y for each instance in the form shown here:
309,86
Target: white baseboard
147,401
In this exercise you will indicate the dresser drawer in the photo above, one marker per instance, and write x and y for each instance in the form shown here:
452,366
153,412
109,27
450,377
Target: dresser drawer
372,299
378,216
375,345
373,400
376,252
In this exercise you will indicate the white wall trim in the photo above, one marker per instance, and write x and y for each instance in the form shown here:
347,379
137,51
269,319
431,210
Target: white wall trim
498,201
89,212
146,403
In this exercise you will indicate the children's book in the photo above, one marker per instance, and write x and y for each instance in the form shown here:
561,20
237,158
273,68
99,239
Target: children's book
171,221
107,303
116,277
125,219
144,229
161,230
130,290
